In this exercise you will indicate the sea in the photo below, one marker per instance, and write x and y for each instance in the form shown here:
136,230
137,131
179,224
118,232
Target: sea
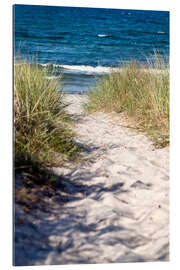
84,44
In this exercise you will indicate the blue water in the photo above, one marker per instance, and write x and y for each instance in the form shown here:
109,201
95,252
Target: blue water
84,42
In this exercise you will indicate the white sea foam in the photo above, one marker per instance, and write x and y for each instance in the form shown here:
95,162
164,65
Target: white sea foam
84,68
87,69
94,70
102,35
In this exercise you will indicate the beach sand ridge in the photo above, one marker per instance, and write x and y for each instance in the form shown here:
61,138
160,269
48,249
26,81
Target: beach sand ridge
121,212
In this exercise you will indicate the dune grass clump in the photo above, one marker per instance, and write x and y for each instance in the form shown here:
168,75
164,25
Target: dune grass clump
140,92
42,136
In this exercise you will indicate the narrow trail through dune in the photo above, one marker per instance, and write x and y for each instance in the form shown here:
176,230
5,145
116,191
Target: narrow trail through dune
118,207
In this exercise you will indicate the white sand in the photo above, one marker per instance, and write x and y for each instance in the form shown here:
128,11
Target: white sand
118,209
124,215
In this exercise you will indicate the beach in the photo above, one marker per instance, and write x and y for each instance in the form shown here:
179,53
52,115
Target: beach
116,203
91,184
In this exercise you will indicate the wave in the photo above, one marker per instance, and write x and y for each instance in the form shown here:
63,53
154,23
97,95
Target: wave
84,69
102,35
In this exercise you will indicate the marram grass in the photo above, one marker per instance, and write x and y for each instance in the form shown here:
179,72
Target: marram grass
140,92
42,136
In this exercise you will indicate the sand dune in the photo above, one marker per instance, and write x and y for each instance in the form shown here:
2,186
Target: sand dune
118,207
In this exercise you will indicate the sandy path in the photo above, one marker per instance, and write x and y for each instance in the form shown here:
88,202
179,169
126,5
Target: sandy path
121,211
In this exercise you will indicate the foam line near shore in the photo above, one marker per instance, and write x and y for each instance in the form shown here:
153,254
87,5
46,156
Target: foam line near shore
84,69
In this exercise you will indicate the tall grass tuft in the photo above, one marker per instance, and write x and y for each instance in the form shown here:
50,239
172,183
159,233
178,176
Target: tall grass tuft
41,131
142,92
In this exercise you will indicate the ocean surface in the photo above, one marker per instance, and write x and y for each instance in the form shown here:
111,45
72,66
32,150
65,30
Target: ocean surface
84,43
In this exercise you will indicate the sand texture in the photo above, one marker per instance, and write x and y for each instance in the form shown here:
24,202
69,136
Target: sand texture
118,200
